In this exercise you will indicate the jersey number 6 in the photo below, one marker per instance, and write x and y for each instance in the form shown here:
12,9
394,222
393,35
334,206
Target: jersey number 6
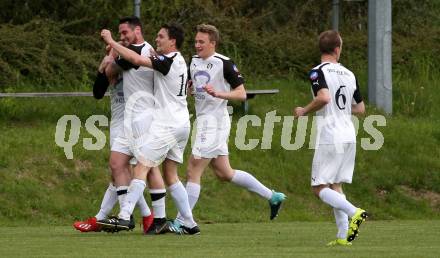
340,97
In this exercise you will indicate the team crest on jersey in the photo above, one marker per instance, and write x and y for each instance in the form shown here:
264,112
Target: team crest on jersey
313,76
201,78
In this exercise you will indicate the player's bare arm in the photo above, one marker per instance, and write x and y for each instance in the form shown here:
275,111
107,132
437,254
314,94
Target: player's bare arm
124,52
322,99
358,109
238,93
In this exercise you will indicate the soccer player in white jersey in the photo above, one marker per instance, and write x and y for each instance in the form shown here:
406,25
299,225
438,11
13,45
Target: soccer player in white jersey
336,98
135,79
215,80
169,129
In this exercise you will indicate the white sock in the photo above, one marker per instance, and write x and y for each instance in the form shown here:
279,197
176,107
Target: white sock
135,190
143,206
180,197
341,219
337,201
158,202
122,193
109,200
249,182
193,191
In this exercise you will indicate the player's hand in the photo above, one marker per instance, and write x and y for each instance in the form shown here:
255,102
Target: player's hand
210,90
106,35
108,49
299,111
190,88
153,52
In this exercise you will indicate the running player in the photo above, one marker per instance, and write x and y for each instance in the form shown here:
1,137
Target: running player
336,98
216,79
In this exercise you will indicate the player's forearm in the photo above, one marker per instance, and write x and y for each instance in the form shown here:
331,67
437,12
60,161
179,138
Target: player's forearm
104,63
130,55
314,106
231,95
358,109
238,93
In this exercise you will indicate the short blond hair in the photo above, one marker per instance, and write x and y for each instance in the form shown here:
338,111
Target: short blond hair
211,30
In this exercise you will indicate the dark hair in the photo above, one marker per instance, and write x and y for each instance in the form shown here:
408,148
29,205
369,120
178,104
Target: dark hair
133,21
328,41
175,31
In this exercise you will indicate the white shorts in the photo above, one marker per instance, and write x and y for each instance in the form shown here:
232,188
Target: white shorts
211,142
118,142
134,134
333,164
116,130
162,142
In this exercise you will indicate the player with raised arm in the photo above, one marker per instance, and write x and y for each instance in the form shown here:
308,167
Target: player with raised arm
215,80
336,97
136,79
170,126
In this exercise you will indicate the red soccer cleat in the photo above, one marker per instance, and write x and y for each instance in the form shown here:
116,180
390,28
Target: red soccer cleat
87,226
147,222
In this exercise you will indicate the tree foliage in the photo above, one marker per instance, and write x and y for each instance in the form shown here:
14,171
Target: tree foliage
54,43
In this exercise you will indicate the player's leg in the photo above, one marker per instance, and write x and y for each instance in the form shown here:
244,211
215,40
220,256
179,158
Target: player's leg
174,156
180,196
108,202
147,216
119,165
157,191
194,172
345,175
137,187
326,169
341,219
224,172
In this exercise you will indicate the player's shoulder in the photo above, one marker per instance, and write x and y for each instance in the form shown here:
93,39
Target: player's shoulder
221,57
145,48
345,69
319,67
316,71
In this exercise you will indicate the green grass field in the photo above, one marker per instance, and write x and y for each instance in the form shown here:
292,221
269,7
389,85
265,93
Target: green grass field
294,239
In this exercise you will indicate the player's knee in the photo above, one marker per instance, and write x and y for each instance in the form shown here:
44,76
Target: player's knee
316,190
192,175
116,166
222,176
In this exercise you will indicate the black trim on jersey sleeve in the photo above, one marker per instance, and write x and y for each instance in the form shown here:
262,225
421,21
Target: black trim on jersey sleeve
231,74
189,70
124,64
317,80
162,63
357,93
100,86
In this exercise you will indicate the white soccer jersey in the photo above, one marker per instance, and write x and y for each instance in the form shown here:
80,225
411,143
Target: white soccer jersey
117,102
138,78
220,72
334,123
170,77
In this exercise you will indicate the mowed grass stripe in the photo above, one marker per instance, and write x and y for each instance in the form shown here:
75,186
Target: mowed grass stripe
295,239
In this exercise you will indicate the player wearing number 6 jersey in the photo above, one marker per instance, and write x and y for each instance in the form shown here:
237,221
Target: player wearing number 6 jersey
336,98
169,129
